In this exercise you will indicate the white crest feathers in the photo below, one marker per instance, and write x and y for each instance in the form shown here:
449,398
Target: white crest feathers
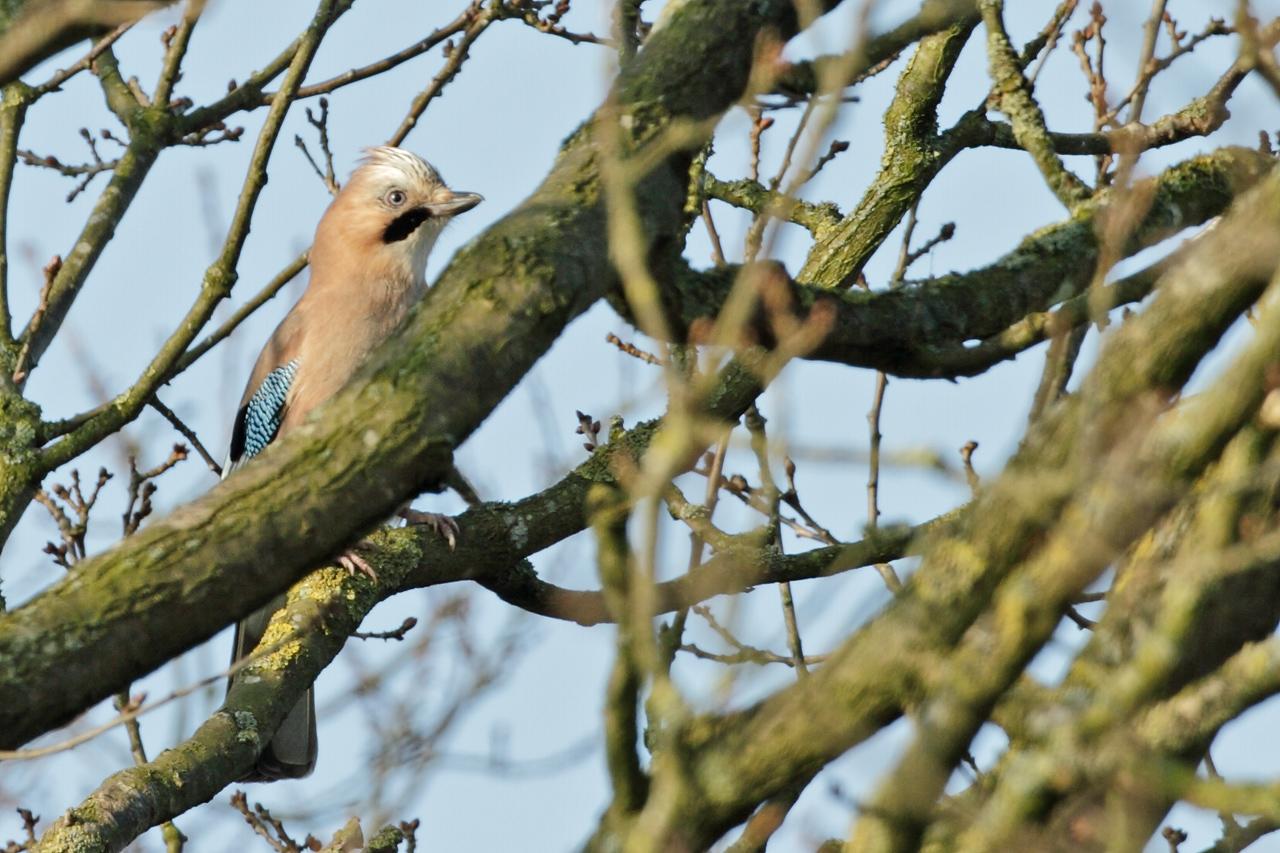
400,163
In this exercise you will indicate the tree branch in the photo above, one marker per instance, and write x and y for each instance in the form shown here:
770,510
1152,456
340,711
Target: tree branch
923,329
307,634
1012,95
912,158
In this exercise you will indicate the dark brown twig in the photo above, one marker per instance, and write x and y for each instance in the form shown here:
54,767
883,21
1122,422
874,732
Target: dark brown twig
1174,837
86,172
142,488
321,124
270,828
397,634
970,475
589,429
55,82
187,432
945,233
73,532
837,147
527,11
29,821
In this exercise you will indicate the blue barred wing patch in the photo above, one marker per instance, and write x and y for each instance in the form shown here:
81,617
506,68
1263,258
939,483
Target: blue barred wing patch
259,420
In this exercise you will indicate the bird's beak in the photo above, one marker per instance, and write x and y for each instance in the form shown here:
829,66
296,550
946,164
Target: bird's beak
456,203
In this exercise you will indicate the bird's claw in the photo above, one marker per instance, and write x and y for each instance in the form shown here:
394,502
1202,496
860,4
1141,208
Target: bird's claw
443,525
354,563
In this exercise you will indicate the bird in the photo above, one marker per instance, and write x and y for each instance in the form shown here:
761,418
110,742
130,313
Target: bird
368,267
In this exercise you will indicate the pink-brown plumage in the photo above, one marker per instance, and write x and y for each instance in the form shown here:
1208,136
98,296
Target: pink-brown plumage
368,267
361,287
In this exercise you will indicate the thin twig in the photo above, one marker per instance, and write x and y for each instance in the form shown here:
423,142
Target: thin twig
321,124
86,172
54,429
756,427
176,39
1150,33
717,249
397,634
21,366
142,487
455,56
187,432
742,652
970,475
632,350
55,82
1048,39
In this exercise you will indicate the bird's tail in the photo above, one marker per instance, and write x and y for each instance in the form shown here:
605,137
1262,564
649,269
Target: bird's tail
291,754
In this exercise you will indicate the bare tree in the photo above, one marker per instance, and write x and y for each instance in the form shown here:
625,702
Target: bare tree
1132,508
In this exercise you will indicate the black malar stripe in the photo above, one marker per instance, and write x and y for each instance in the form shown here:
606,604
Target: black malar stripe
405,224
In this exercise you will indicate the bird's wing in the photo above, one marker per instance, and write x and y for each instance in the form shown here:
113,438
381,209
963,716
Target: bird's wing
259,418
266,397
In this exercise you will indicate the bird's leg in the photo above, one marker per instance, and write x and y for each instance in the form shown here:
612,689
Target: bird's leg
443,525
353,562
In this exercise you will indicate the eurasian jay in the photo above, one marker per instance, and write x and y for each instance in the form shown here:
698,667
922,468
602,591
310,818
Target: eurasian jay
368,266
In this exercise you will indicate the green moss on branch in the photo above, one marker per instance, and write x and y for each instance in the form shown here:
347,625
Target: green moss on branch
912,158
924,329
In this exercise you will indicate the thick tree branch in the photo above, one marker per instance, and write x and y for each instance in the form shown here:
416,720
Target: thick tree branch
757,198
923,329
13,108
725,573
916,153
1012,95
1200,117
1163,631
911,160
321,613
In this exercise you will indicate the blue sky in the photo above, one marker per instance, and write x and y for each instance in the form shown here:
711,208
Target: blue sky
496,132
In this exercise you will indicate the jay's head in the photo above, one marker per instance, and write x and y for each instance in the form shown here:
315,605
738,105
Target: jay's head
392,210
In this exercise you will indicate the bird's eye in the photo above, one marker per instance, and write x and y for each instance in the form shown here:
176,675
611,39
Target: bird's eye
395,198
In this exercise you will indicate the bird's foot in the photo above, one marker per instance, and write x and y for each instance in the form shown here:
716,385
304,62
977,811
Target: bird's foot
443,525
354,563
